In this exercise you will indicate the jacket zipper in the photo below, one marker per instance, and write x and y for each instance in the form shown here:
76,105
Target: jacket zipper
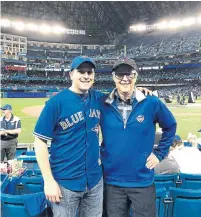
119,114
125,122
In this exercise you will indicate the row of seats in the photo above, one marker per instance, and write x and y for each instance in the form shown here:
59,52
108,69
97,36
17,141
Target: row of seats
185,181
170,201
179,203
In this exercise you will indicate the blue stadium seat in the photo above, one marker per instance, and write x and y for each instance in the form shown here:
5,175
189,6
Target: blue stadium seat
189,181
19,151
185,203
160,195
32,184
18,194
165,181
187,144
32,172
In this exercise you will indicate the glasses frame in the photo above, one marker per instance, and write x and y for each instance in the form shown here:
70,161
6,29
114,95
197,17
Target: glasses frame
129,77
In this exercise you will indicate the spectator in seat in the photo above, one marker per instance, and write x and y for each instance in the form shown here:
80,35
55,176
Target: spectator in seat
188,158
169,164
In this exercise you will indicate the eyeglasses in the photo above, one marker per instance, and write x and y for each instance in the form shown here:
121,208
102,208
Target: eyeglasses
128,75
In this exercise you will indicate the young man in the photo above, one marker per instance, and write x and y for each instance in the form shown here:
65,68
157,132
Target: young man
128,120
70,120
10,128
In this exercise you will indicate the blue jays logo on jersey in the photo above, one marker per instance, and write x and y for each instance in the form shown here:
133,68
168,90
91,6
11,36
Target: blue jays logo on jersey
140,118
96,128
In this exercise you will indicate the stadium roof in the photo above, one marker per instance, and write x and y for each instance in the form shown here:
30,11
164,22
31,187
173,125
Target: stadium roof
104,19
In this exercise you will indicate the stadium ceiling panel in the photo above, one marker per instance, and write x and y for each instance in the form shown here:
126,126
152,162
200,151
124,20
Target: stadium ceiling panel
101,19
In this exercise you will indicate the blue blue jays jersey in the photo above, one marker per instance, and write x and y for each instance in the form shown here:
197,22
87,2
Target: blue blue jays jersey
71,123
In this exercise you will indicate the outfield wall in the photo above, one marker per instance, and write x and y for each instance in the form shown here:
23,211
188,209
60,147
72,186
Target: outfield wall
38,94
28,94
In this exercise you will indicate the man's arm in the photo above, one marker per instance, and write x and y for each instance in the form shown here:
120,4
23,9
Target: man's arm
167,122
51,188
15,131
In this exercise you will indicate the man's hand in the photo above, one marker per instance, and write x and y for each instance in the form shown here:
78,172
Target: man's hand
152,161
52,191
2,132
147,91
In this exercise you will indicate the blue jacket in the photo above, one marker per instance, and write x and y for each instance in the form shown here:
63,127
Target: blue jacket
126,146
71,123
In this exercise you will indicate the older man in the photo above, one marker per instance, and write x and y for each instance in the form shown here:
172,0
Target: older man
9,131
128,122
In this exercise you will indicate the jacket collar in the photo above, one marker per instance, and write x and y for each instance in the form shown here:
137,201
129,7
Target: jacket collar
11,118
138,95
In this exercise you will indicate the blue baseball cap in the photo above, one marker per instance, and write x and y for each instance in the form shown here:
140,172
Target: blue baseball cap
77,61
6,107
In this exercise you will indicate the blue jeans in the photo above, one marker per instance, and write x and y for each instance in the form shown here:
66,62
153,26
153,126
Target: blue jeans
87,203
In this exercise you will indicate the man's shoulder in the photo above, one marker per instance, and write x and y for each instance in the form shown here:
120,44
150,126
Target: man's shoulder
153,99
16,118
57,97
98,94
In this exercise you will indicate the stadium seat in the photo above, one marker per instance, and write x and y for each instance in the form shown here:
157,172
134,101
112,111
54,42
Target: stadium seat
32,184
165,181
18,194
187,144
189,181
32,172
185,203
160,195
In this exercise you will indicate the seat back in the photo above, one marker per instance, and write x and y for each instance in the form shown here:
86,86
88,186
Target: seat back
160,195
32,184
165,181
13,208
186,203
190,181
32,173
13,203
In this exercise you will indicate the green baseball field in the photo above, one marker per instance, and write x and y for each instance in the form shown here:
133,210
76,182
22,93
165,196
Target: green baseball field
188,117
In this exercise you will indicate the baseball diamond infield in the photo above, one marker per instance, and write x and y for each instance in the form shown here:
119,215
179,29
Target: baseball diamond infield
33,111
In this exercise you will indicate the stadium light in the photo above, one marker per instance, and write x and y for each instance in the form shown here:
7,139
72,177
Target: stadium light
162,25
174,24
18,25
188,22
32,27
5,23
139,27
58,30
45,28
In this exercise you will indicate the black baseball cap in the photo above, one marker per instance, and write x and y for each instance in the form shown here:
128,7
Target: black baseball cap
125,61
